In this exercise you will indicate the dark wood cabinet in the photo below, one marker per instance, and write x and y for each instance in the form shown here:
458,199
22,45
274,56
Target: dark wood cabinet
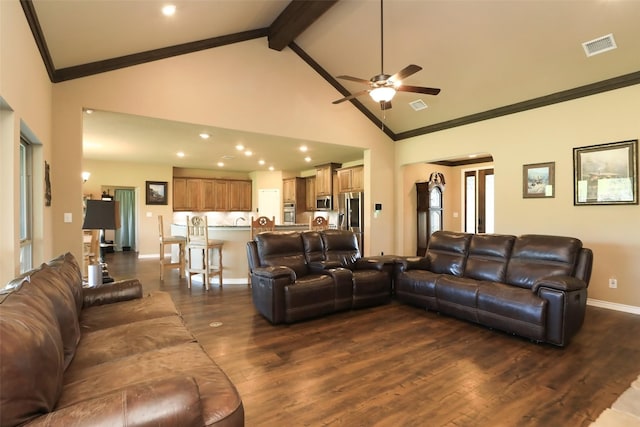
429,213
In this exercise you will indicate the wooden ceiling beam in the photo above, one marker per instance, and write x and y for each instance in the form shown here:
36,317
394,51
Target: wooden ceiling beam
294,19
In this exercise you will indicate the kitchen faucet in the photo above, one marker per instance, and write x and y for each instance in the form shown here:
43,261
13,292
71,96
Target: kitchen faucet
235,223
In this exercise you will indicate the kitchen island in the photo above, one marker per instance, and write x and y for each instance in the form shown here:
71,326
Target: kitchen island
234,252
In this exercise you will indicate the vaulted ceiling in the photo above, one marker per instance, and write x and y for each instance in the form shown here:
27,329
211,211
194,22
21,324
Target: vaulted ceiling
488,57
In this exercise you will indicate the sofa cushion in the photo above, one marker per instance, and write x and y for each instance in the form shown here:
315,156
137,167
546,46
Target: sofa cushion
59,293
537,256
68,267
219,397
488,257
313,248
119,341
310,296
447,252
341,246
282,248
512,309
32,361
457,296
153,306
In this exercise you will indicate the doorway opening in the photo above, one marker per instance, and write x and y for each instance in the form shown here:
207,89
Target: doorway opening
479,196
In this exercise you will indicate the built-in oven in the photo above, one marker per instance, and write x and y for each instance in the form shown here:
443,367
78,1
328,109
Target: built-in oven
289,213
323,203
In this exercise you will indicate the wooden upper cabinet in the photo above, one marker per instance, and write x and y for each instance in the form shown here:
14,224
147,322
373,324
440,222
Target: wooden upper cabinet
324,179
351,179
239,195
289,190
310,196
203,194
294,191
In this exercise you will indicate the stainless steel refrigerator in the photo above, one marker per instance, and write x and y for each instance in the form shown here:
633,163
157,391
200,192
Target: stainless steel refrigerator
351,217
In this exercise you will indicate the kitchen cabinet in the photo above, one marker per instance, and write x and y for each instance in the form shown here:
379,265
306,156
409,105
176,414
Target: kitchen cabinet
294,191
324,179
351,180
310,186
206,195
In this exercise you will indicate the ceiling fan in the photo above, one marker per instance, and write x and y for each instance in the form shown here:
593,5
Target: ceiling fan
383,87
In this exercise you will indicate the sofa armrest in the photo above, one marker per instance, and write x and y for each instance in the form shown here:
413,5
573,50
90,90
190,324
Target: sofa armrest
320,267
369,263
413,263
559,283
121,290
169,401
275,272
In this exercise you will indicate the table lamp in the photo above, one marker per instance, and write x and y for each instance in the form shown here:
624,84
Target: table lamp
102,215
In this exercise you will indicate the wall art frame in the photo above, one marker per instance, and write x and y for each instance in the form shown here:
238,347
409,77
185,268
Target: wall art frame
606,174
538,180
156,192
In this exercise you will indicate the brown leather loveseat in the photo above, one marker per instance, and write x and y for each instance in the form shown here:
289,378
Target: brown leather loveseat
300,275
108,356
534,286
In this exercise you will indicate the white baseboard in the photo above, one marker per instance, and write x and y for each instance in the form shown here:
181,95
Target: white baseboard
613,306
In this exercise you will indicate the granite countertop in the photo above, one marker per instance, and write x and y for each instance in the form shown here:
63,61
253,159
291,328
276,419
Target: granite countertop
246,227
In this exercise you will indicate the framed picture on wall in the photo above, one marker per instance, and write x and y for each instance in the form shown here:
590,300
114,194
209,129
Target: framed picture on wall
538,180
156,192
606,174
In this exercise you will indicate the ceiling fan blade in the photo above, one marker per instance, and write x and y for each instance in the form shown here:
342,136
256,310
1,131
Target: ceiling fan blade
353,95
405,72
418,89
354,79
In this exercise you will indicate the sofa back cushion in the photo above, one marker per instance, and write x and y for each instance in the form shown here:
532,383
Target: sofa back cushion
536,256
69,269
488,257
447,252
313,247
282,248
31,354
341,246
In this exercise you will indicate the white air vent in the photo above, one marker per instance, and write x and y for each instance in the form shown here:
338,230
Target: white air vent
418,105
228,157
599,45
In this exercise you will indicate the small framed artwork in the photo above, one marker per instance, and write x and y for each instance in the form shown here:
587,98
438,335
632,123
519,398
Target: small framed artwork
538,180
606,174
156,193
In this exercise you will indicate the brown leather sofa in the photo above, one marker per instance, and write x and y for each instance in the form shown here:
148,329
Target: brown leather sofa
103,356
300,275
534,286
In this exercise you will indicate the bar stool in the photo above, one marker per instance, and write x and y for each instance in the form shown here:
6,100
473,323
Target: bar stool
198,240
168,241
318,223
259,225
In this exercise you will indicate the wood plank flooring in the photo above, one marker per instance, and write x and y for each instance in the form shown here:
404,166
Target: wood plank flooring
397,365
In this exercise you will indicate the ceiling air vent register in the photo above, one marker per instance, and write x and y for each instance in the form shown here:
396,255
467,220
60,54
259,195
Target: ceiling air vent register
418,105
599,45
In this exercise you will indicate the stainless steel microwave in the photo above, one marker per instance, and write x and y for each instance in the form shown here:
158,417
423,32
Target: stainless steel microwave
324,203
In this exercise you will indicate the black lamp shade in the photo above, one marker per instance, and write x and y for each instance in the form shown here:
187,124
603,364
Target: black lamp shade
101,215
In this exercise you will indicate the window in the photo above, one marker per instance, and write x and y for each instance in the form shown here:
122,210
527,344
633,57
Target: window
26,203
479,201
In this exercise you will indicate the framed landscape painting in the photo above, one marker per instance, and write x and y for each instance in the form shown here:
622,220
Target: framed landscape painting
538,180
606,174
156,193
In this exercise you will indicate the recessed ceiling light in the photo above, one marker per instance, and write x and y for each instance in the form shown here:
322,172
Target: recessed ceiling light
303,148
204,135
220,164
472,156
271,168
88,111
239,147
180,154
168,10
261,162
307,159
248,153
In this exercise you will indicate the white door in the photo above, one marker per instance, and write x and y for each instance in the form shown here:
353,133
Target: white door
269,203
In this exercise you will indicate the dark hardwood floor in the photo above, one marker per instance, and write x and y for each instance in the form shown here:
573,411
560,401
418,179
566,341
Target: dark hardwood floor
397,365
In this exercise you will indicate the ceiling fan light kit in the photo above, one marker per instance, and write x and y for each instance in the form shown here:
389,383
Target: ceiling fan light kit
383,87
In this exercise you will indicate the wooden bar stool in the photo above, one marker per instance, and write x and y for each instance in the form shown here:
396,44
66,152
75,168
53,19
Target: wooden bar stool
198,241
258,225
318,223
168,241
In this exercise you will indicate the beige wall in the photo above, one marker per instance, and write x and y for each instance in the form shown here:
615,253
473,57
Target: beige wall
547,135
25,103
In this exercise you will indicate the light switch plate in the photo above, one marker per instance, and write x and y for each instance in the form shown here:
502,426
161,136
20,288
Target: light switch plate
68,217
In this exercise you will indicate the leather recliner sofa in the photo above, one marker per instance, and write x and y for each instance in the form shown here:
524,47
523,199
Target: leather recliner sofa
534,286
301,275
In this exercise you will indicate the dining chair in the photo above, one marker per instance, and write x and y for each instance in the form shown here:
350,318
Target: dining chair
170,240
198,243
